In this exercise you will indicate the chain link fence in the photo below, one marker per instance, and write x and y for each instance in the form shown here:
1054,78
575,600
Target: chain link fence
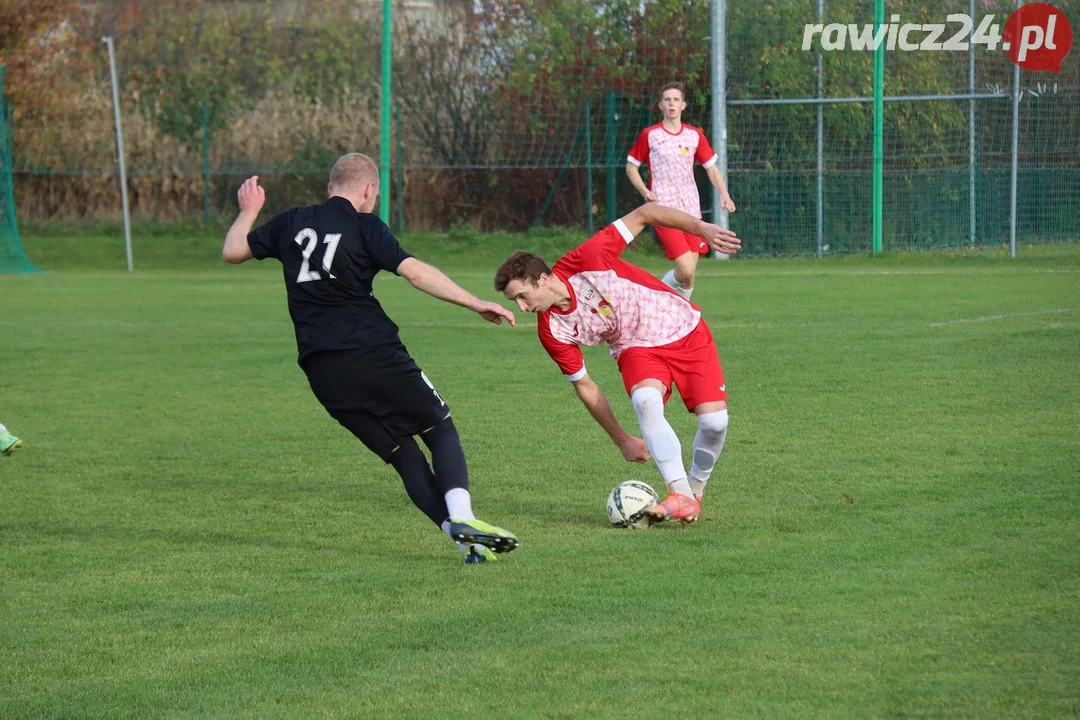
511,114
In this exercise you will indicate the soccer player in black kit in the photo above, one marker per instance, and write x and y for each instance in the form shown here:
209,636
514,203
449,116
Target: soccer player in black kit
349,348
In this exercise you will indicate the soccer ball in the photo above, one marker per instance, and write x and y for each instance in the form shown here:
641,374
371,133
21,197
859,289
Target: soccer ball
627,502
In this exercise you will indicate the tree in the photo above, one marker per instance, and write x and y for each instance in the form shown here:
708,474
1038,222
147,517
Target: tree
445,79
37,36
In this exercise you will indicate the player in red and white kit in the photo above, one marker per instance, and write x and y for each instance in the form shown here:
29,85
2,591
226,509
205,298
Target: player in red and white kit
657,337
670,149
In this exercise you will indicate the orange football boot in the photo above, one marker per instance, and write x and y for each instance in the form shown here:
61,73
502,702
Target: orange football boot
676,507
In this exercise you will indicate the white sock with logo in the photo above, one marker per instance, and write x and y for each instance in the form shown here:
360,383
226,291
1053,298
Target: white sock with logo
660,438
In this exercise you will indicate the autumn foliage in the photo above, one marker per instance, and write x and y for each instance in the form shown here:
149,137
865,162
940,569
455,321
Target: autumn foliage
490,100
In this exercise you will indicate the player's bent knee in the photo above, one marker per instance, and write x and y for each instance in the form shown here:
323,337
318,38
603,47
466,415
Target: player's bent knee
714,423
648,403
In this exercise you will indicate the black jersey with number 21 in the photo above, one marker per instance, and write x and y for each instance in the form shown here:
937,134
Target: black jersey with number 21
330,254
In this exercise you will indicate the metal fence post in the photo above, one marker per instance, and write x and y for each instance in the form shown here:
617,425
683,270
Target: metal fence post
1014,155
718,23
206,163
120,151
971,133
820,145
879,130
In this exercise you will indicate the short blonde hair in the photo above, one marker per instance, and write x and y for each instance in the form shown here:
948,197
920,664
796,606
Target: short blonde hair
353,171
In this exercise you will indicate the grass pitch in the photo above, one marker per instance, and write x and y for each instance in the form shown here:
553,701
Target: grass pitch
892,530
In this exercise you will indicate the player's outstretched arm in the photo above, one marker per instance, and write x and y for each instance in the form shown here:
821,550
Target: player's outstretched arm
718,238
250,198
633,448
435,283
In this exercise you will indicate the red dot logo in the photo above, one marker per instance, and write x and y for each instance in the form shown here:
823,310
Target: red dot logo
1037,37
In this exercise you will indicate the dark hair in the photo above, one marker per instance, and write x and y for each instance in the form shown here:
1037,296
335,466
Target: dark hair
673,86
523,266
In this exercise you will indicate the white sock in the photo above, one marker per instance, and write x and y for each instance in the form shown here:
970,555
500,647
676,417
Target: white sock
3,428
660,438
459,504
708,444
671,282
697,486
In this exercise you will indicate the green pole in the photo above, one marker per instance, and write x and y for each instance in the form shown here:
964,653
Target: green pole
384,124
206,164
588,165
609,107
879,108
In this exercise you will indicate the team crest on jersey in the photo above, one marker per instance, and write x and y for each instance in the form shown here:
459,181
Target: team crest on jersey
597,303
683,150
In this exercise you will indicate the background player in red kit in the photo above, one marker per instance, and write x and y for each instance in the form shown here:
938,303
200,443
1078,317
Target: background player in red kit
657,337
670,149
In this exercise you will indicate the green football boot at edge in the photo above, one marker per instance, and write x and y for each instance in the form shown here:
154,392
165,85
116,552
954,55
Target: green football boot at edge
9,443
476,532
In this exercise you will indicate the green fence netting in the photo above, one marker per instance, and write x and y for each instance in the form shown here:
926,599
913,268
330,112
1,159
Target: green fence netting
510,113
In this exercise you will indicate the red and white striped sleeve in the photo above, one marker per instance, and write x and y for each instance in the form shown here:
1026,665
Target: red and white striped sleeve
639,154
568,357
705,154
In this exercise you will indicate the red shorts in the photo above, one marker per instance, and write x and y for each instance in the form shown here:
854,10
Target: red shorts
691,364
677,242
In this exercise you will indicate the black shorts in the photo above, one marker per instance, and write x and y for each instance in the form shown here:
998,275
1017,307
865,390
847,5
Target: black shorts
379,394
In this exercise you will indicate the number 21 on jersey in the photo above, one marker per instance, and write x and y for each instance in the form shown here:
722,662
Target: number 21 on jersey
331,242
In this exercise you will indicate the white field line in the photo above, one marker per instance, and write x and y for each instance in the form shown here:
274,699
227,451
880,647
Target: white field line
1004,316
837,273
740,325
523,323
706,272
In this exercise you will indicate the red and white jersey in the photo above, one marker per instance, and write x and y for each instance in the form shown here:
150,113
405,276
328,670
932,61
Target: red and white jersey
670,157
614,302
